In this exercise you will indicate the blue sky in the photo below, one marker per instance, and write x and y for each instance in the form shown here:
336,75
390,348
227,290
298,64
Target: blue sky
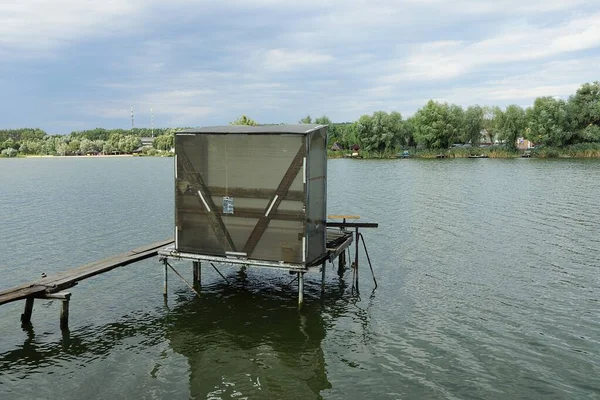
76,64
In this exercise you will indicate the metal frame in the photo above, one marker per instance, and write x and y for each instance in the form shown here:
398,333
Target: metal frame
341,244
170,252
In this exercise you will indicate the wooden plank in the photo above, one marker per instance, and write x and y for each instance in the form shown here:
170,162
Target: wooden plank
213,218
280,194
339,248
343,216
20,292
56,283
66,279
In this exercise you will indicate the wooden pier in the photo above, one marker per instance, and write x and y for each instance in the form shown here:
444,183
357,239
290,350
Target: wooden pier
51,287
54,286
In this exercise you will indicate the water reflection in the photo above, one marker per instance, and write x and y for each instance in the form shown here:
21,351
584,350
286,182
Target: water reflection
248,339
244,338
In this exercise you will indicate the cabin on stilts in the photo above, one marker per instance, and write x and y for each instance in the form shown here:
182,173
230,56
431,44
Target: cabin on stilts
254,196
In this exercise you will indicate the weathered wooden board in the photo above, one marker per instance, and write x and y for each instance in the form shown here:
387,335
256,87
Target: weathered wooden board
63,280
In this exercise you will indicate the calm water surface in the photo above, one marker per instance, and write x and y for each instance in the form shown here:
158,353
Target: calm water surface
488,274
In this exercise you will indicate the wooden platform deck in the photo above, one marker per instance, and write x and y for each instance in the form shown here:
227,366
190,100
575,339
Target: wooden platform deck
70,278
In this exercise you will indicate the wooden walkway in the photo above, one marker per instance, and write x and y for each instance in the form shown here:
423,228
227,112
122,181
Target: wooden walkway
53,284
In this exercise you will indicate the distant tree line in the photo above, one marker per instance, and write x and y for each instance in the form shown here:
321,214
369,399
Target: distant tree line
550,122
29,141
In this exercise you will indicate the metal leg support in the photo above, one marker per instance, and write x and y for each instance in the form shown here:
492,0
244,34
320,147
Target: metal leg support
197,269
323,277
356,238
300,289
166,280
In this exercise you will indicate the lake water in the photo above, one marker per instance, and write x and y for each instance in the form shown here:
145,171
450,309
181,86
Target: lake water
488,272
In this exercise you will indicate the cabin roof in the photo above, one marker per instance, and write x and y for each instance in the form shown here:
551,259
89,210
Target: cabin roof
301,129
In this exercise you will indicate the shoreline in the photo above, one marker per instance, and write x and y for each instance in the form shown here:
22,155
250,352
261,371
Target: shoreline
97,156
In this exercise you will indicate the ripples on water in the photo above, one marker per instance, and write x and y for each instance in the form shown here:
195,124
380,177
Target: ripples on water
488,274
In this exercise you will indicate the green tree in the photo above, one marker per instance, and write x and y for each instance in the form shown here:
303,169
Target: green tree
129,143
547,122
163,142
324,120
437,125
491,117
347,134
30,147
244,120
10,144
473,124
10,152
108,148
381,131
114,139
457,121
511,125
62,148
584,112
74,146
86,146
409,132
306,120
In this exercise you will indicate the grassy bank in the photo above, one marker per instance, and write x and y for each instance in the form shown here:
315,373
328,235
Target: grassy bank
582,150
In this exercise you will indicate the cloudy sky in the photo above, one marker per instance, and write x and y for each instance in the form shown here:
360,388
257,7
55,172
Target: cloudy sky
77,64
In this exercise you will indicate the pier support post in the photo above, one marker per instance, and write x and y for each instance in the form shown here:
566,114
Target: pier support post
323,277
166,280
197,270
300,289
342,262
26,316
65,298
356,238
64,313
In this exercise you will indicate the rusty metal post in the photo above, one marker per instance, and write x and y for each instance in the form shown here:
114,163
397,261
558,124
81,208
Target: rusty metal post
300,289
166,280
356,237
197,269
323,277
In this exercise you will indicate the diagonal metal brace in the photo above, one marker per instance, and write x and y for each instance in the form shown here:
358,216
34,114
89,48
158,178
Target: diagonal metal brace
280,193
205,198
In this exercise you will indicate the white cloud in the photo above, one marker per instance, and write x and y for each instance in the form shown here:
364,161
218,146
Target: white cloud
41,25
207,60
450,59
557,78
285,59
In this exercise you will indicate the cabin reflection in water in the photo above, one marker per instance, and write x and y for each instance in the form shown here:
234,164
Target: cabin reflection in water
245,339
250,340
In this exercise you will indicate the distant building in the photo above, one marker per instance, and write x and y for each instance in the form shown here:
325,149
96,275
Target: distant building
524,144
336,147
484,138
147,141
